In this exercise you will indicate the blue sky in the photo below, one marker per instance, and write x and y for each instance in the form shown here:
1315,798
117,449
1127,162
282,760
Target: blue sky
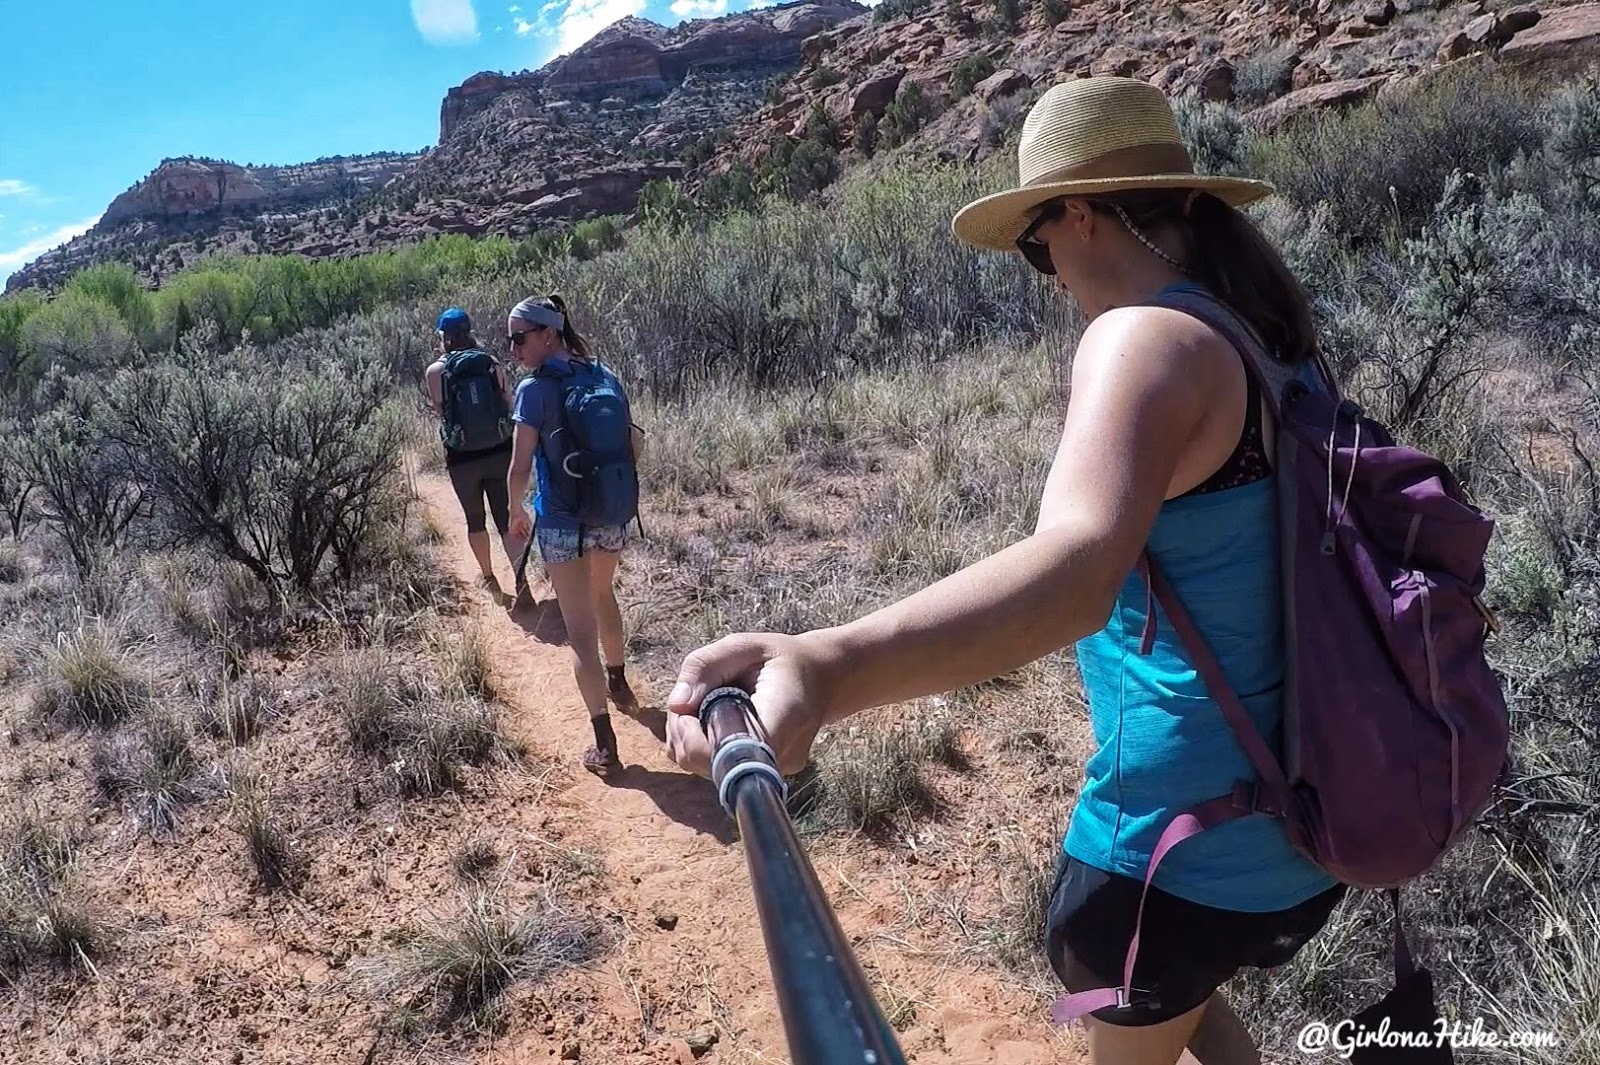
93,94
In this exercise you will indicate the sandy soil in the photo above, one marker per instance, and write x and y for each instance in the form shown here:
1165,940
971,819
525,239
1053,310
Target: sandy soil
205,968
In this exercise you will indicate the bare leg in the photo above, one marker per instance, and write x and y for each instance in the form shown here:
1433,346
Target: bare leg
1221,1038
572,585
479,542
571,582
1156,1044
602,570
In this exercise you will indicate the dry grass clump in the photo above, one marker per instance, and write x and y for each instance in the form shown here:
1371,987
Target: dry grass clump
452,968
90,679
240,710
423,735
149,767
872,778
273,853
44,912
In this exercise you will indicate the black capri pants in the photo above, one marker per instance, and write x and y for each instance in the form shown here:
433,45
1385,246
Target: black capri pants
480,478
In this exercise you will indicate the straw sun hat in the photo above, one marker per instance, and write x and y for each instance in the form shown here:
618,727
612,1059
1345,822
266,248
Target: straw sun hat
1089,136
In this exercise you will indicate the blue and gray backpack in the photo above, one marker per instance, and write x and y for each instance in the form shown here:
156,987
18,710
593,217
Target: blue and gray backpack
475,415
590,453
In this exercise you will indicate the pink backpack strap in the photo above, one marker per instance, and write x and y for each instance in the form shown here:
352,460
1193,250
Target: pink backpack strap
1209,814
1221,692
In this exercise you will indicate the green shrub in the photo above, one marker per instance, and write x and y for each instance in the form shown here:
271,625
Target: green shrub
662,204
15,310
825,77
290,474
1055,11
893,9
75,333
1384,165
1007,14
1261,77
798,171
968,72
1216,136
116,286
84,493
904,116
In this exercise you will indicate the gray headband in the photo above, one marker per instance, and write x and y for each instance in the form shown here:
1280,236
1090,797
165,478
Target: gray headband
532,310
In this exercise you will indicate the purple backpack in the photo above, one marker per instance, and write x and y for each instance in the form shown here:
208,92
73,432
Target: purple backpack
1395,729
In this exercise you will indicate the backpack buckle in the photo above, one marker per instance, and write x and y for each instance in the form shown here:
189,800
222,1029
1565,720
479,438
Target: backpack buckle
1247,796
1146,999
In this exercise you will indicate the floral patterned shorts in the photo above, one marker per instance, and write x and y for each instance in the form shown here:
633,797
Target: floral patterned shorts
561,545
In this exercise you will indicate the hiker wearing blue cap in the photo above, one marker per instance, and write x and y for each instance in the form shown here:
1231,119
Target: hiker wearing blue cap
467,389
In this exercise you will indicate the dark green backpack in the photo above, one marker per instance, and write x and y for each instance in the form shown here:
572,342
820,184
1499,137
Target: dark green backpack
474,413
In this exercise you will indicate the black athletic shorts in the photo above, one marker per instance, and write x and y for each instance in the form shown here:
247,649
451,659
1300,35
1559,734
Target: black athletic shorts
478,478
1186,951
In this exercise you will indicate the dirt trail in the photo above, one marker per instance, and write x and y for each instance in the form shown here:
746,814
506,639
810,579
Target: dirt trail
670,852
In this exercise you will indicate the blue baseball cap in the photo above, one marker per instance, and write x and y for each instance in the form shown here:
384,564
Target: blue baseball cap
454,320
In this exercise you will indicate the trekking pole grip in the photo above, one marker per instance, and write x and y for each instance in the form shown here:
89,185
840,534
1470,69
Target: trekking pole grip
738,744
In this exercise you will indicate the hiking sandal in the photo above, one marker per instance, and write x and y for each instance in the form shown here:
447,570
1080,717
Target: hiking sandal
601,761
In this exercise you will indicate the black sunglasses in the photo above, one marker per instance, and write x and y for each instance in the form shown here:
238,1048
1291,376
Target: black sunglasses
516,339
1036,251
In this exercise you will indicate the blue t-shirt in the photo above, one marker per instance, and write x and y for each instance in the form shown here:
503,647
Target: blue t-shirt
537,404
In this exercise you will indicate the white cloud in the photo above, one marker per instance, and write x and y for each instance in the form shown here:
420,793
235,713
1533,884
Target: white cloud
585,18
445,21
573,22
514,8
12,261
13,187
698,8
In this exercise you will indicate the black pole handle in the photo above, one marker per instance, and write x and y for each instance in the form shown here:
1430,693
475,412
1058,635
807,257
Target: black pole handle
829,1014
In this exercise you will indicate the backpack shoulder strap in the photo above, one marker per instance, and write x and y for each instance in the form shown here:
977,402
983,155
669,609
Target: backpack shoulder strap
1266,763
1273,376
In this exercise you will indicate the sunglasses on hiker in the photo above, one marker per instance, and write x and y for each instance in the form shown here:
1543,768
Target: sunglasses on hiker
516,339
1036,251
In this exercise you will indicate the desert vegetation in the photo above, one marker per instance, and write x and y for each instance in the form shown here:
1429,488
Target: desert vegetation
225,608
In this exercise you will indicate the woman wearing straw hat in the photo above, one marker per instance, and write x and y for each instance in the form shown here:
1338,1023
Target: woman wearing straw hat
1166,446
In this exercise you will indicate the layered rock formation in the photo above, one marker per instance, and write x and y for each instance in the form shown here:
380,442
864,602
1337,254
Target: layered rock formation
1272,59
184,187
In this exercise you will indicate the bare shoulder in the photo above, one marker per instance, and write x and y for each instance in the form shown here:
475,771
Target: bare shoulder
1151,344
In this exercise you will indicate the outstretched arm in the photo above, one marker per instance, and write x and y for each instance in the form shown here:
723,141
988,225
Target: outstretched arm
1134,411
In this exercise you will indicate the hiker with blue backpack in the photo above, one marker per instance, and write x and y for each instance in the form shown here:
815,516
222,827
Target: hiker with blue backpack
577,442
1275,608
469,392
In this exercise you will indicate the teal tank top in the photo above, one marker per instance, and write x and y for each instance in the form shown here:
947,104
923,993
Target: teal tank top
1161,745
